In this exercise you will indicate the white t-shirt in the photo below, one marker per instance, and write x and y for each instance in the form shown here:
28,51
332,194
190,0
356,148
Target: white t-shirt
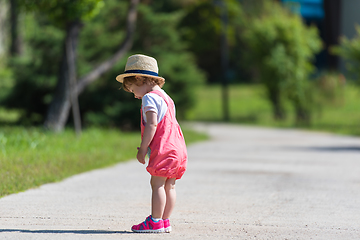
155,103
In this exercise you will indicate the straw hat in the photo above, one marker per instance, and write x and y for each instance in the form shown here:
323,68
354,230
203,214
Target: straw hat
140,65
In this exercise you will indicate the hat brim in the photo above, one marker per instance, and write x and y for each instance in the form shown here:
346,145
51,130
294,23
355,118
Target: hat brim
120,78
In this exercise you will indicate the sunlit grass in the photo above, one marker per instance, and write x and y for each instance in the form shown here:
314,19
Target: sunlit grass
248,105
343,118
30,157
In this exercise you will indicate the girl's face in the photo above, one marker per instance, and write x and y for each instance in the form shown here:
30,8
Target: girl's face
139,91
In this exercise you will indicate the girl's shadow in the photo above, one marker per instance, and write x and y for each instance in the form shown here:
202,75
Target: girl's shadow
67,231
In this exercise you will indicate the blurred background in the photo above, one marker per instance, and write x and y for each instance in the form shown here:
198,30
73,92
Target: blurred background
279,63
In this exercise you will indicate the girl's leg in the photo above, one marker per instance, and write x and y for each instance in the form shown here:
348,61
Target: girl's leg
158,200
170,197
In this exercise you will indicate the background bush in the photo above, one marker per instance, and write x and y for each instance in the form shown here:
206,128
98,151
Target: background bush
281,48
349,49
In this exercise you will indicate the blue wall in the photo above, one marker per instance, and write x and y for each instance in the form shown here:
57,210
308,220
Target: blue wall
308,9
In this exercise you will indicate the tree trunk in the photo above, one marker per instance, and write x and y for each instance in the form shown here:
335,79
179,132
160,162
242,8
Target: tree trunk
59,108
332,26
303,114
123,49
225,62
278,109
4,16
58,111
71,46
15,41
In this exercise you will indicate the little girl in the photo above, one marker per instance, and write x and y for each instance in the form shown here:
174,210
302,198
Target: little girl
161,139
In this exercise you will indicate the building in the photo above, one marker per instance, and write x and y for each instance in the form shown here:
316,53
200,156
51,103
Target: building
334,18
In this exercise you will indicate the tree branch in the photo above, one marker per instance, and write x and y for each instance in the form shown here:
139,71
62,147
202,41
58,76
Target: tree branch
124,48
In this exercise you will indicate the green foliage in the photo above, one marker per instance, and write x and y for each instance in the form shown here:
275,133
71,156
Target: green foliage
201,28
102,104
7,80
157,31
182,79
349,49
101,36
281,48
159,37
35,72
156,36
62,12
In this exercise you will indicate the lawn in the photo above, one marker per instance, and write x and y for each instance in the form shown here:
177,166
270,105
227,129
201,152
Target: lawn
248,105
30,157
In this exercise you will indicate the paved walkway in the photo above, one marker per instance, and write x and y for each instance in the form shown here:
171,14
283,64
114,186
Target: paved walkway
245,183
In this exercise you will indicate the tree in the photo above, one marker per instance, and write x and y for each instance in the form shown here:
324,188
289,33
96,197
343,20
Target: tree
70,15
202,28
281,48
158,35
101,102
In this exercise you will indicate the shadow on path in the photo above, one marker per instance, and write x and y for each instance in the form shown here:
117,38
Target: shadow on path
329,148
67,231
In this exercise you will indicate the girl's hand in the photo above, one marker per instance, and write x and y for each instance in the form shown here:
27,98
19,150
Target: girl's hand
141,155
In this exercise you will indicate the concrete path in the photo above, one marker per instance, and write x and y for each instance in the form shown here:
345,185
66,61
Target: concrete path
245,183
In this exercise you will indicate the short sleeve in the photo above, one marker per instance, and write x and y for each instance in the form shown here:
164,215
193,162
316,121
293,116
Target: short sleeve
154,103
148,104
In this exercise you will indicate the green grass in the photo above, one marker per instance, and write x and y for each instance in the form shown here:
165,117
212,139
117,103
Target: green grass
30,157
248,105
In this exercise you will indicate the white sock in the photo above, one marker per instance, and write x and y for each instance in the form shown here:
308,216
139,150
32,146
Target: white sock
156,219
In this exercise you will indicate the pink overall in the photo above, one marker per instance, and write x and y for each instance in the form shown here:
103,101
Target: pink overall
168,157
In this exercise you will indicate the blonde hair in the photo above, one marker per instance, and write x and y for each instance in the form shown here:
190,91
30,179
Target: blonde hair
141,80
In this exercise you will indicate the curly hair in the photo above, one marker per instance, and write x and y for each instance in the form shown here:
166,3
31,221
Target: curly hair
140,80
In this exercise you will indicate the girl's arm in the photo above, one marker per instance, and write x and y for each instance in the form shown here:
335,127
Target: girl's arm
148,135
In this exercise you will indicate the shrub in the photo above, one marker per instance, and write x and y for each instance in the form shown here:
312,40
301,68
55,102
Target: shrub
350,51
281,49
